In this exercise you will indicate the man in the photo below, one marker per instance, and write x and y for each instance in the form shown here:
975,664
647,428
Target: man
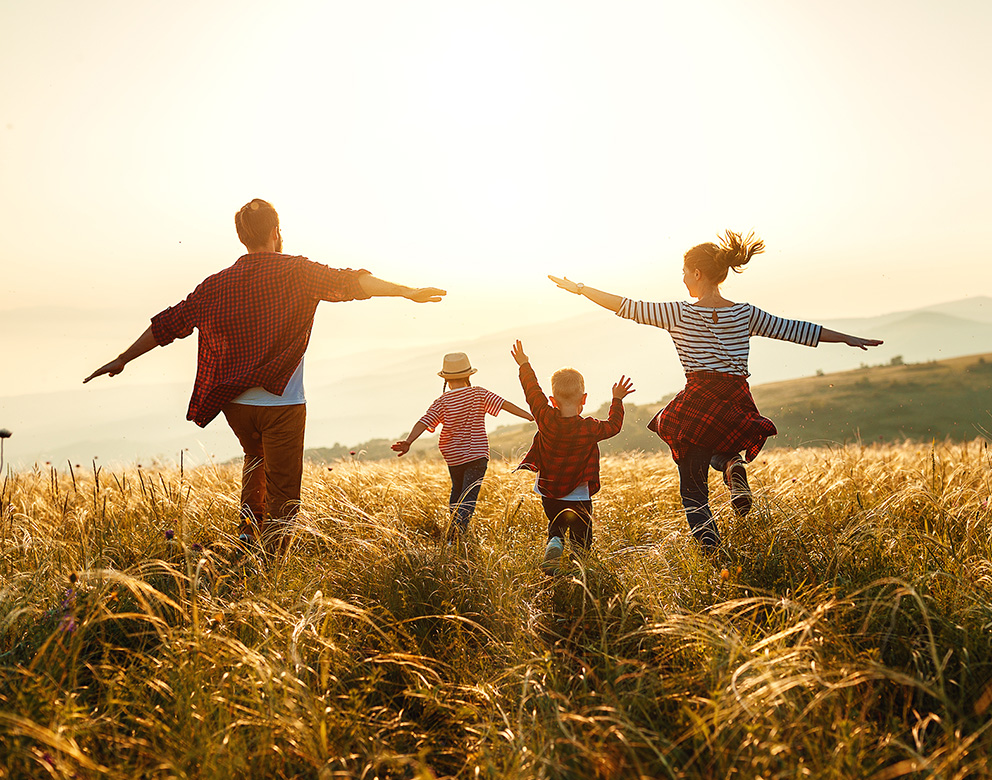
254,321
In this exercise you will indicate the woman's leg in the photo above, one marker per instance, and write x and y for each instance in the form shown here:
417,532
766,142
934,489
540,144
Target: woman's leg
731,466
693,489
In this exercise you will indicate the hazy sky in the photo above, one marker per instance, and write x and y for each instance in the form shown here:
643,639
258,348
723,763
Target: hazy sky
478,146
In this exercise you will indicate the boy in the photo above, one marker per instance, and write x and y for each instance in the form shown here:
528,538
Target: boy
565,453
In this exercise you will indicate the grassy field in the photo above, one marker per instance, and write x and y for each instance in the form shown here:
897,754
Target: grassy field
845,632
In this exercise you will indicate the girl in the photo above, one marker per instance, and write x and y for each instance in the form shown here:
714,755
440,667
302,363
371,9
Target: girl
714,419
461,412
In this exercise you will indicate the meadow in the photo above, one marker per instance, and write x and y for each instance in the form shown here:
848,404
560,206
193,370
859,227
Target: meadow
843,633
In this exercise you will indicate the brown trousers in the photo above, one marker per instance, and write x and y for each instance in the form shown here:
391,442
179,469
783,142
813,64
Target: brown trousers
272,439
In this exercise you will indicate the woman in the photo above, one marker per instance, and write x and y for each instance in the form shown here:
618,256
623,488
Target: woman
714,419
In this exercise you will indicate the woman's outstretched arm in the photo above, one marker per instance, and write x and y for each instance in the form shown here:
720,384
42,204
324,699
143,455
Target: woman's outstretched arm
604,299
834,337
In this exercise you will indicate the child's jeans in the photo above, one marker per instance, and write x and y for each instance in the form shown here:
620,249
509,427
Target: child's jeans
466,481
571,517
695,493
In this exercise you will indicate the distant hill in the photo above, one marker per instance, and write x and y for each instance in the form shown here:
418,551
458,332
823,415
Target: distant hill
948,399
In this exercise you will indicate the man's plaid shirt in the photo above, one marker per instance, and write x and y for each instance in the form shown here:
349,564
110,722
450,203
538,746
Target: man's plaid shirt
254,320
565,452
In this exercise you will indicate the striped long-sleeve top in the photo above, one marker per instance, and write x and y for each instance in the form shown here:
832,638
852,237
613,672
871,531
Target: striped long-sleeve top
717,339
461,413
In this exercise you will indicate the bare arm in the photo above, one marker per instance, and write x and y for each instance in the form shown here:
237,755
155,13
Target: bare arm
599,297
833,337
380,288
403,447
514,409
146,342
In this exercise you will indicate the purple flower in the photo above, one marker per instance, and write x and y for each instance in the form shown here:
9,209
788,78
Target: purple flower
169,534
197,547
68,624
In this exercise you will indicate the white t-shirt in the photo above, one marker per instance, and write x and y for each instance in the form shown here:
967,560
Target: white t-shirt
581,492
292,395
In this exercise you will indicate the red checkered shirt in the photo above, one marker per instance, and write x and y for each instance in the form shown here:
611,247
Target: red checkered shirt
714,411
565,452
254,321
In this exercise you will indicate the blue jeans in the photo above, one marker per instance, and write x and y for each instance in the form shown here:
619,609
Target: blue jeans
466,481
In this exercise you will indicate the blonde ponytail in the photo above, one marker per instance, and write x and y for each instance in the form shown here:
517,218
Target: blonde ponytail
733,253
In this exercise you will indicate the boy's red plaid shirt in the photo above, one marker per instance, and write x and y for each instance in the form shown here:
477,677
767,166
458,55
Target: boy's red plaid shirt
254,320
565,452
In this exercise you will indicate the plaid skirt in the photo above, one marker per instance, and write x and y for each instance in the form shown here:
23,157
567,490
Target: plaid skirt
715,411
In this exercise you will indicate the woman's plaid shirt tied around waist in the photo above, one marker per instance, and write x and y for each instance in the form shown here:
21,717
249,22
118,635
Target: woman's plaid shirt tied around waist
715,411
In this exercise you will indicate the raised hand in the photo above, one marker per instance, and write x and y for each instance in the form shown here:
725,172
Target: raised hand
517,352
623,388
401,448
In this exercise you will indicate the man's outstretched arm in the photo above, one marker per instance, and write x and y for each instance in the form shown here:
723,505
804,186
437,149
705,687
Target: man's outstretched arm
146,342
378,288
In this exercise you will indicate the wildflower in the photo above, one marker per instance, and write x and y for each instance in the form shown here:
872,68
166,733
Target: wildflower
197,547
5,434
169,533
68,624
353,452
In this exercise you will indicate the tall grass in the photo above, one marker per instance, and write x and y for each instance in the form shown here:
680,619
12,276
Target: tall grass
843,633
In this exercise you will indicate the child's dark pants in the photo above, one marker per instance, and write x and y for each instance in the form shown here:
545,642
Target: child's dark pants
466,481
571,517
694,469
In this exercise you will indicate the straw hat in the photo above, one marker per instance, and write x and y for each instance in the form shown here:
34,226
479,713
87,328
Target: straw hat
456,366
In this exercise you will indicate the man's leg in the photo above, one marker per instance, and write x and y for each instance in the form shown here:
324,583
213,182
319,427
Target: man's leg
695,493
282,441
241,418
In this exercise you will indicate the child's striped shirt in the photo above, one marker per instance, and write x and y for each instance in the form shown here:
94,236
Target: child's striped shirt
716,339
461,413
